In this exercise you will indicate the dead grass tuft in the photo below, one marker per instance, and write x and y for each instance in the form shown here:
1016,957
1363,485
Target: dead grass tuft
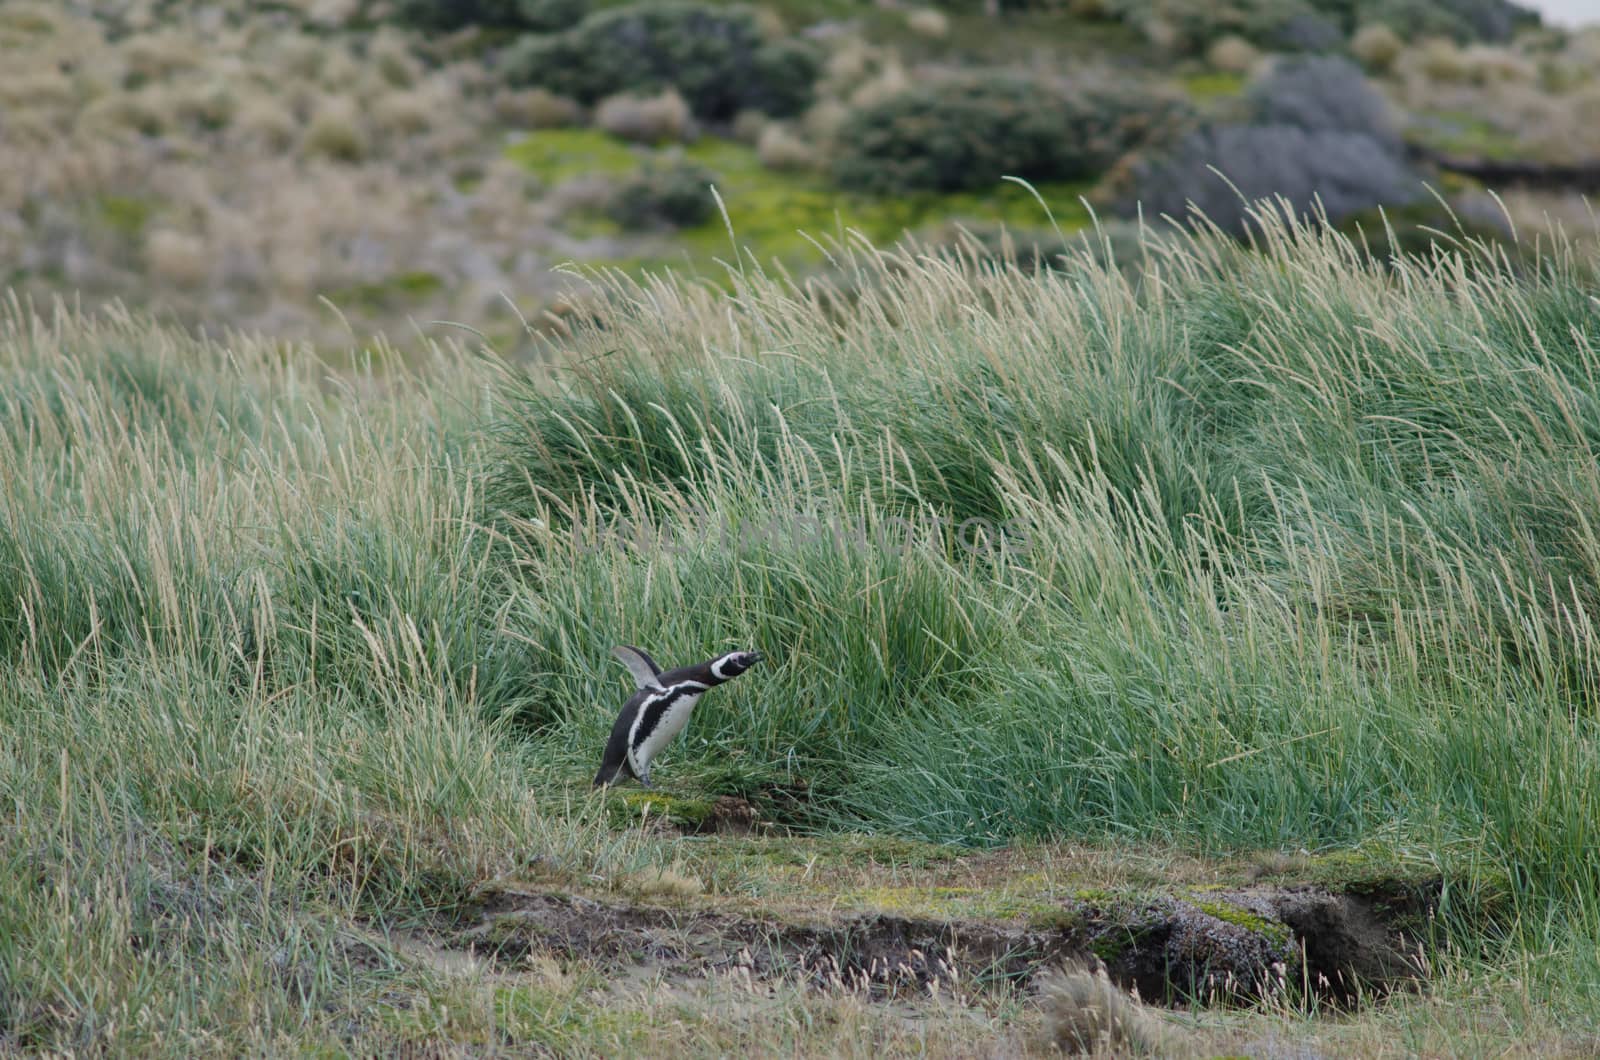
780,148
655,119
536,108
928,22
1085,1014
1234,55
1376,46
336,132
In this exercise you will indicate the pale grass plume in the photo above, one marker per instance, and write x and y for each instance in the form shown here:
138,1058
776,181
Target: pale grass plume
1234,55
780,148
1376,46
928,22
654,119
1083,1013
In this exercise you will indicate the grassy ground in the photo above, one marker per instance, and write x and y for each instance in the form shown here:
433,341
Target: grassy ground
1290,551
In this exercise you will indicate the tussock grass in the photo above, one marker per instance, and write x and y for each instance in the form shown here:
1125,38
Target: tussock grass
1299,553
1308,539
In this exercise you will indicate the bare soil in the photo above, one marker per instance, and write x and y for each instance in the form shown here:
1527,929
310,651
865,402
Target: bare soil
1223,946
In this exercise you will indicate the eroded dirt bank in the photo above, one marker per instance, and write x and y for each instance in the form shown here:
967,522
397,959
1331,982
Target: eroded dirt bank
989,920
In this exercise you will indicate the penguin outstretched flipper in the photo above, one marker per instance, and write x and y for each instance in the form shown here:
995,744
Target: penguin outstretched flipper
646,674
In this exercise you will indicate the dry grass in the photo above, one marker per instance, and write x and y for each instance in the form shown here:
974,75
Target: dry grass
657,119
265,649
780,148
1086,1014
928,22
1234,55
1537,101
233,169
1376,46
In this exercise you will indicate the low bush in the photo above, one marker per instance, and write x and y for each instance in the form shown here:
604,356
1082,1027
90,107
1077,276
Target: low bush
968,132
646,119
1344,171
534,108
1190,26
676,196
1233,55
718,58
1376,46
540,16
1463,20
779,148
1321,93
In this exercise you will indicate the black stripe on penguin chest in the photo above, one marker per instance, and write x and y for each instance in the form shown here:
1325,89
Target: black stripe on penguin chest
654,710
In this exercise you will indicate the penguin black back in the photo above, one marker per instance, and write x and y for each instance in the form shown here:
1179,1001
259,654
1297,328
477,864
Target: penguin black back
659,708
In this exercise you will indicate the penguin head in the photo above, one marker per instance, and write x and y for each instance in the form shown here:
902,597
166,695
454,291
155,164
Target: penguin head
734,663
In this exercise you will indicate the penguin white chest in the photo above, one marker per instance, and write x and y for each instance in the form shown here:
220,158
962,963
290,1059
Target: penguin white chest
661,717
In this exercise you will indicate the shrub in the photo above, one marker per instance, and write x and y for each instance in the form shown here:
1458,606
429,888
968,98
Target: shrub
748,125
336,132
646,119
1234,55
1314,25
779,148
1463,20
1322,93
1493,66
1306,31
1347,171
1441,60
928,22
716,57
391,56
177,258
970,131
1411,230
534,108
265,123
785,76
204,105
1376,46
540,16
549,16
1190,25
404,113
677,196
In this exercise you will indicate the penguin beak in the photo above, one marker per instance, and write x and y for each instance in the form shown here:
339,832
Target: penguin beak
755,657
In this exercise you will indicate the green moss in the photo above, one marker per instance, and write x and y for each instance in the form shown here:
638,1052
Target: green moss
1465,133
1213,84
125,214
557,155
1110,946
393,290
1055,919
977,903
774,213
1232,914
771,210
1369,865
680,810
843,850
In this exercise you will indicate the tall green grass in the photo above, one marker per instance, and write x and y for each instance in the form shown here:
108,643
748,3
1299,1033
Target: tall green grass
252,643
1310,560
1311,554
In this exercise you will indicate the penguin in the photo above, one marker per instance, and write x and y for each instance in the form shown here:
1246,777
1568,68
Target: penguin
659,708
